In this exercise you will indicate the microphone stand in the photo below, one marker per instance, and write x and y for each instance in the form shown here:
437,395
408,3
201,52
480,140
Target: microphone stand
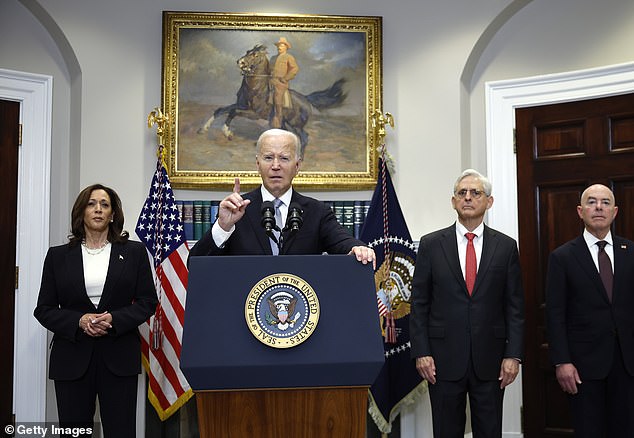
268,222
294,221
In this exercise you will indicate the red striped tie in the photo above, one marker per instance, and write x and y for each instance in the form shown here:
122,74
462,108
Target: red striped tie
471,264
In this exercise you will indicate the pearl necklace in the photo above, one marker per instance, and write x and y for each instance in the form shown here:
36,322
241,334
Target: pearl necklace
94,251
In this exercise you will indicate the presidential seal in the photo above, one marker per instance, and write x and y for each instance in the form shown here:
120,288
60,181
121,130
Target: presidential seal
282,310
393,279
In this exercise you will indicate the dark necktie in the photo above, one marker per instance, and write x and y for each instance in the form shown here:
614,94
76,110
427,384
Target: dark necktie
275,247
605,268
471,264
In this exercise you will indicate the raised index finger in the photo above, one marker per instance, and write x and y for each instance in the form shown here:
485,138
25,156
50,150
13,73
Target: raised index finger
236,185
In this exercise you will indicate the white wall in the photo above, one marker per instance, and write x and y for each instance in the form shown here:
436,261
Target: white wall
551,37
25,45
118,49
105,58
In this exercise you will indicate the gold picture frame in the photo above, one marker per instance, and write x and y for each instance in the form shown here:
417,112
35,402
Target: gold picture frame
217,105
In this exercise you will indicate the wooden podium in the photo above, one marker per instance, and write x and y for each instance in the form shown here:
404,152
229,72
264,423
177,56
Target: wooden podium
310,412
246,388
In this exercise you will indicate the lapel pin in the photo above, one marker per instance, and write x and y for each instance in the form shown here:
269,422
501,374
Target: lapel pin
120,257
623,246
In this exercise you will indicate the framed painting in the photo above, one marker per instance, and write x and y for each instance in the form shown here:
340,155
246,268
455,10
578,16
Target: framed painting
229,77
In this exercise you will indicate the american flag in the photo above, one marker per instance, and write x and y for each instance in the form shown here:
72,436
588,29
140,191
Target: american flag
160,227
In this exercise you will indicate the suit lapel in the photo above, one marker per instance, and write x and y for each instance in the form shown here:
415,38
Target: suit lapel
622,255
489,245
75,271
449,246
116,264
581,253
253,214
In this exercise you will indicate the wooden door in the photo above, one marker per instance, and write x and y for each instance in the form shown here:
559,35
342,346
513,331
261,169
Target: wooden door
9,120
561,149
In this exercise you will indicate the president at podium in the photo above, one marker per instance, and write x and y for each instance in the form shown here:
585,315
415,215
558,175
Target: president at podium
275,219
315,389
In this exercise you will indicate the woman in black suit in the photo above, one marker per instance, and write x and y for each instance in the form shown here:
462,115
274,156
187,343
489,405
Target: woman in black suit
96,290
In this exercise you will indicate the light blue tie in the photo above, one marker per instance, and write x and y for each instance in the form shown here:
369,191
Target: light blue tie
275,248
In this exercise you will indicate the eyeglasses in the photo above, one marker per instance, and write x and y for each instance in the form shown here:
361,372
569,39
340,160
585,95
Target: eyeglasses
475,193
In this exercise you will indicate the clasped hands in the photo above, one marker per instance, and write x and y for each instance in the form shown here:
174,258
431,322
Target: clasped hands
95,324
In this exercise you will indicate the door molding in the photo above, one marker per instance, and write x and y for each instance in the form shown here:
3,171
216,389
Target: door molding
34,92
502,97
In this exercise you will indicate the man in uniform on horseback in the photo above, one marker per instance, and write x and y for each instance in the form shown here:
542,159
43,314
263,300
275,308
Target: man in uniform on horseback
285,68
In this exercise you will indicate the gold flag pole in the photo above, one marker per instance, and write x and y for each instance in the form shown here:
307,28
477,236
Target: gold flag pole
160,119
379,122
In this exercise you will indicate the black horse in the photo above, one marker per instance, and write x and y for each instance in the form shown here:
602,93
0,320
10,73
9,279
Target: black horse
254,103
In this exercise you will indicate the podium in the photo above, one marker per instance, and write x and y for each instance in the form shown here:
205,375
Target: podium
304,371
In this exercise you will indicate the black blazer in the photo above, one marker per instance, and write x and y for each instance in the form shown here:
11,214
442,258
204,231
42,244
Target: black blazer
319,233
128,294
583,327
450,325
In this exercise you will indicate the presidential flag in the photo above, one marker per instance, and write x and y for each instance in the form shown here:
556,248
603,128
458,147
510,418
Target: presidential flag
160,227
385,230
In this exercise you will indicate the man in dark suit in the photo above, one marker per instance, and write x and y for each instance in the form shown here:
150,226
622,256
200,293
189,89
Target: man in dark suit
239,230
467,315
590,321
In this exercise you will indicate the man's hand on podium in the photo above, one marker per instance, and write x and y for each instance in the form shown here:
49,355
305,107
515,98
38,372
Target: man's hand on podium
364,254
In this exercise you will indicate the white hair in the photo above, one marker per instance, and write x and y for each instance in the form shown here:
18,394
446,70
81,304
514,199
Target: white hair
486,184
279,132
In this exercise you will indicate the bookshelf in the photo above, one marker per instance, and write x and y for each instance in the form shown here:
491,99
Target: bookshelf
199,215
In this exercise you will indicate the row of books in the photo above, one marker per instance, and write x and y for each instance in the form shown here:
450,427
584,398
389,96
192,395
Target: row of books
199,215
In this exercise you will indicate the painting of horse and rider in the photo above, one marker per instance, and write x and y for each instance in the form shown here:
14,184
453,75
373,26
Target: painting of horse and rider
235,83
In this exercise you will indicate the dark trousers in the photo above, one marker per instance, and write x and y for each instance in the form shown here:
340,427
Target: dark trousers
76,400
449,404
605,408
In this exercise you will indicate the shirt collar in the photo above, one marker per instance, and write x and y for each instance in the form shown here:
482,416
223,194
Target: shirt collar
461,230
286,197
591,239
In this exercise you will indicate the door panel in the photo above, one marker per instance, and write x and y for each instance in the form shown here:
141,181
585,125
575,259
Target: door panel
561,149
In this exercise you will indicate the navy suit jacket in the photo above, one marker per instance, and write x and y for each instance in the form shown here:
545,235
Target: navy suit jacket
319,233
454,327
583,327
128,294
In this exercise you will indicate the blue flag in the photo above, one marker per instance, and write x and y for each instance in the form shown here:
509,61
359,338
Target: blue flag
385,230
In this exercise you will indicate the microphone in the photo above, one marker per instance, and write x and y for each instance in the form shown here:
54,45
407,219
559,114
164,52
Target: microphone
268,218
294,220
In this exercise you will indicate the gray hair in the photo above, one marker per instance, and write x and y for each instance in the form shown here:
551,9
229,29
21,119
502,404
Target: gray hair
486,184
279,132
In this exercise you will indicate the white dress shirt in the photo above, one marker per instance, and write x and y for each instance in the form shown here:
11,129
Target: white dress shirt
95,271
592,240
